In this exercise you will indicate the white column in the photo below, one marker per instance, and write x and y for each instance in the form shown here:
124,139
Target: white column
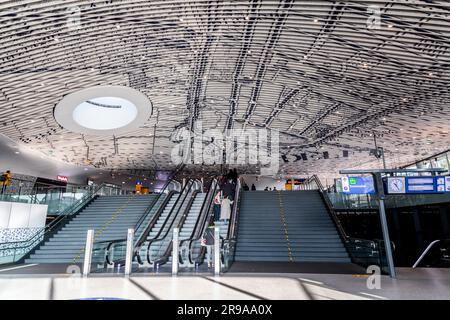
216,251
175,251
88,252
129,253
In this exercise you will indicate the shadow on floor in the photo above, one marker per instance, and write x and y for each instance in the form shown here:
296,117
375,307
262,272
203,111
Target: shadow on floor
296,267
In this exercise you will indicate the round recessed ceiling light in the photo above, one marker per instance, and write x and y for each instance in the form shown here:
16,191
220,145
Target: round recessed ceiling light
105,110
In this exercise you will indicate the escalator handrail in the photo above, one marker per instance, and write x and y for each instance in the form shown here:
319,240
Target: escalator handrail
138,242
202,215
148,210
231,233
203,222
152,222
150,207
187,187
203,218
164,258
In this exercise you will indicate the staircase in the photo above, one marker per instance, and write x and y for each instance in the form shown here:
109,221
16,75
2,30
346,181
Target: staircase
287,226
68,243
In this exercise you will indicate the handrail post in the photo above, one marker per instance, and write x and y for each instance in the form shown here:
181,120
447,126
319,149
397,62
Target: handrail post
175,251
88,252
216,251
129,252
384,226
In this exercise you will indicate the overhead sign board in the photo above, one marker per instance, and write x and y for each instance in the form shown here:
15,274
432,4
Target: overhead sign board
430,184
358,185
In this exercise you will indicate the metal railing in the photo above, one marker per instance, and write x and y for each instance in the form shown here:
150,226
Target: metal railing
16,250
187,245
164,234
228,245
110,252
441,258
364,252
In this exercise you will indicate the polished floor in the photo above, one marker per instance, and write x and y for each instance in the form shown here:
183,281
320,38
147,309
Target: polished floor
410,284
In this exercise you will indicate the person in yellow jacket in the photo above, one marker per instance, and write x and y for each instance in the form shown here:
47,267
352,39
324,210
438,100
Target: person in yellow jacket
5,179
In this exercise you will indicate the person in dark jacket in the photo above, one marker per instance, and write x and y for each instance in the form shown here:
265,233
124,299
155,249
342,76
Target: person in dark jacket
208,242
235,176
253,187
227,190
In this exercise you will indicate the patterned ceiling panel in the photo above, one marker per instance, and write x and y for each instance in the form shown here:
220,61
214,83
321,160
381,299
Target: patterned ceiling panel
329,75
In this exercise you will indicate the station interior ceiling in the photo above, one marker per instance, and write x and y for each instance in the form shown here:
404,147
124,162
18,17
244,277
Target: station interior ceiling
330,76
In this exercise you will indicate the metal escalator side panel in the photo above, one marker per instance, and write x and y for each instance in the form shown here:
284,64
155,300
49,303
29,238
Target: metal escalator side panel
158,246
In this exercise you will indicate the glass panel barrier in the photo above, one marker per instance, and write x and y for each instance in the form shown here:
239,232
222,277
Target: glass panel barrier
107,256
228,245
13,251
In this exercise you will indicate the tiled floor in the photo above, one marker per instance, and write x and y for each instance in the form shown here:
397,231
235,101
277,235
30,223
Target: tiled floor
410,284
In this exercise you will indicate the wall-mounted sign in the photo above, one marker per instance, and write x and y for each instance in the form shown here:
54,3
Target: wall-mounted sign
431,184
358,185
447,184
62,178
420,184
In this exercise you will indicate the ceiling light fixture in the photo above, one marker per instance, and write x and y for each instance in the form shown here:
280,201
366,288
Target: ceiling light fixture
104,110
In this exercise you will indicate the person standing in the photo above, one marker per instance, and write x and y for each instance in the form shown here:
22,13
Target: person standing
208,242
217,201
235,176
225,209
253,187
227,190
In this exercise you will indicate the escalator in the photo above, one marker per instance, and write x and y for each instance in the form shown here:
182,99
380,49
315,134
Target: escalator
192,253
159,248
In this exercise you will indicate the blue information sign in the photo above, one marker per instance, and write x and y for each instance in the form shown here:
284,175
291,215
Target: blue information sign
358,185
429,184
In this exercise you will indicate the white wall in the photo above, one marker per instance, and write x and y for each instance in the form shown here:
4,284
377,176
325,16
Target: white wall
14,215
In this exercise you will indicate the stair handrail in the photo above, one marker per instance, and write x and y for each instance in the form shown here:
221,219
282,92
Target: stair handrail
342,234
203,220
330,208
424,253
187,187
69,211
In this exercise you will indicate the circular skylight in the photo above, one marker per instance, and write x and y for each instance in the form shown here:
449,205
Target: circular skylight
105,113
105,110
